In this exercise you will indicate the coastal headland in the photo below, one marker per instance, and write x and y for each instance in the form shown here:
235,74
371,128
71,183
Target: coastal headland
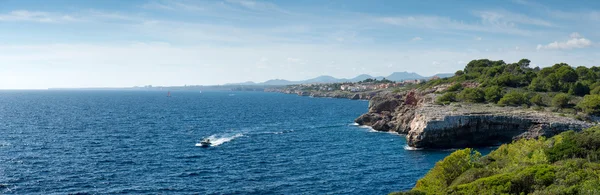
487,103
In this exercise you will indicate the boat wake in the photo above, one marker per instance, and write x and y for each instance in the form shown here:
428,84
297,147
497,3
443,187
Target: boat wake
217,140
368,127
279,132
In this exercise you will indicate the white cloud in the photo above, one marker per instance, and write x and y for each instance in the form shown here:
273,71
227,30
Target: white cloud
417,39
575,35
478,38
576,41
437,22
173,6
506,18
258,6
36,16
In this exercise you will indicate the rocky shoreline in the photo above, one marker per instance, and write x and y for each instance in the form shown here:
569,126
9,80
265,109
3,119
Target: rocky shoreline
332,94
428,125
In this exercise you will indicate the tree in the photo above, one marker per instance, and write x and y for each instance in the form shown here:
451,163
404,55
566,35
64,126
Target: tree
567,74
551,83
590,104
538,100
473,95
514,98
561,100
455,87
493,94
579,89
446,98
524,63
537,84
595,91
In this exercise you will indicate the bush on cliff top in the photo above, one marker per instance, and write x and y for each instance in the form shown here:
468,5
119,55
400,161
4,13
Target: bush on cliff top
514,98
493,94
455,87
473,95
447,98
568,163
561,100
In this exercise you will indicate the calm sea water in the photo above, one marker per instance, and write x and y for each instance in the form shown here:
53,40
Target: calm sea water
140,142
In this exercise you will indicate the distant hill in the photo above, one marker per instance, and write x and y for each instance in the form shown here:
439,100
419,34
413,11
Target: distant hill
396,76
444,75
400,76
324,79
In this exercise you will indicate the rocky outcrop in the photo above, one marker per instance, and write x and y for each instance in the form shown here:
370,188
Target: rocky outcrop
428,125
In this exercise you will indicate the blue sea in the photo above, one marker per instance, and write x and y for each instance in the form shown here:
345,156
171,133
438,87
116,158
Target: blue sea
142,142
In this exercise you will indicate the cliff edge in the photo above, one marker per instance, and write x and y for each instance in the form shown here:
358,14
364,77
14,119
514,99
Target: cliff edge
428,125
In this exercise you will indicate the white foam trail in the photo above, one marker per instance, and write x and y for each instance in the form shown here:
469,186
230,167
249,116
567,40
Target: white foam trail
368,127
216,140
354,124
282,132
4,143
406,147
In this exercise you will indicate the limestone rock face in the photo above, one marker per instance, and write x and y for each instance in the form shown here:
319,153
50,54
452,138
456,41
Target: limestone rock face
461,125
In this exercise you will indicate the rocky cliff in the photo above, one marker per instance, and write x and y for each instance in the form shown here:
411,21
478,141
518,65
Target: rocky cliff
428,125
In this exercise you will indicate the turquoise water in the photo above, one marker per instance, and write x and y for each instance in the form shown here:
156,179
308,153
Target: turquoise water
143,142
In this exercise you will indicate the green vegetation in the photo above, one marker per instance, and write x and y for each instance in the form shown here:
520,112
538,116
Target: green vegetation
590,104
446,98
455,87
568,163
513,98
474,95
516,84
561,100
537,99
493,94
375,81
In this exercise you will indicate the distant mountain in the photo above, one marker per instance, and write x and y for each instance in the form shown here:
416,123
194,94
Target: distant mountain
400,76
361,77
396,76
278,82
324,79
444,75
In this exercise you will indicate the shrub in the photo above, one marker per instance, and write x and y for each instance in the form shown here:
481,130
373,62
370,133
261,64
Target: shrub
595,91
446,98
493,94
455,87
585,144
567,163
561,100
579,89
538,100
513,98
590,104
474,95
445,171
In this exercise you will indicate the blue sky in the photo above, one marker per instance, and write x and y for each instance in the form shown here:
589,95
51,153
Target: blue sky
67,43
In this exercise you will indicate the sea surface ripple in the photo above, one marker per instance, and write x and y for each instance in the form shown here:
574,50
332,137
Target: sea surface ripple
142,142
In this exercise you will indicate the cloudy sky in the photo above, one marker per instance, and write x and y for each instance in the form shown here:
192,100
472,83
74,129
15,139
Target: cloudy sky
119,43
